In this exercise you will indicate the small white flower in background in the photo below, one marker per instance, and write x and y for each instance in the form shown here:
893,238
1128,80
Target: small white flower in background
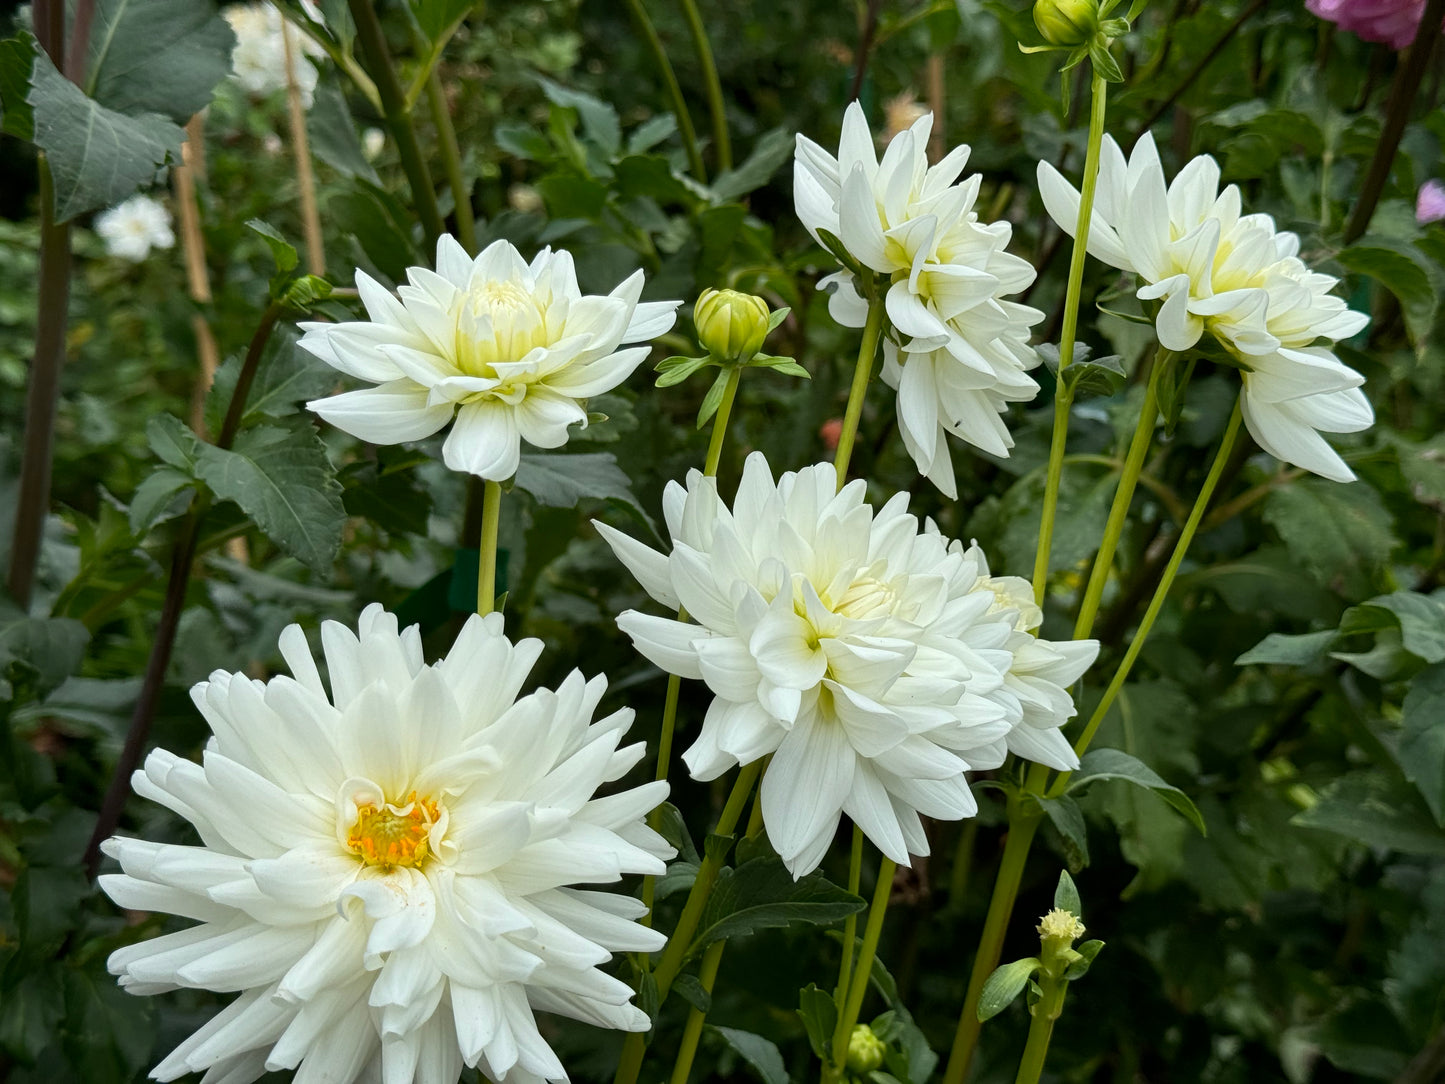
1239,279
258,60
373,142
384,870
511,349
851,643
131,229
946,275
1041,673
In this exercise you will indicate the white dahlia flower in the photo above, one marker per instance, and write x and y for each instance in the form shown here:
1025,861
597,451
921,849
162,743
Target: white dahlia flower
847,642
258,59
512,350
946,275
384,871
1236,277
1036,684
132,228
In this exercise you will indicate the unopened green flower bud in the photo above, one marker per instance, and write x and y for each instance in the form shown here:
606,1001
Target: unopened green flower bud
865,1050
1066,22
731,325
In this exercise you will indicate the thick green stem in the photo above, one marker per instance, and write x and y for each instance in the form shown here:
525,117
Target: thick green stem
673,957
1063,400
1041,1029
487,550
867,350
720,422
1119,511
398,119
850,924
674,91
858,988
692,1030
451,153
721,143
1146,623
42,395
1023,823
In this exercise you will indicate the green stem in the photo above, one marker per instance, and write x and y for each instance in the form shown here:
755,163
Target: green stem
1119,511
867,350
858,988
692,1030
1023,823
720,140
398,119
1063,399
42,396
1041,1028
850,924
673,957
1146,623
674,91
451,153
487,550
720,422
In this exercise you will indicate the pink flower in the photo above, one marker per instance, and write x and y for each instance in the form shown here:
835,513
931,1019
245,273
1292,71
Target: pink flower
1393,22
1430,204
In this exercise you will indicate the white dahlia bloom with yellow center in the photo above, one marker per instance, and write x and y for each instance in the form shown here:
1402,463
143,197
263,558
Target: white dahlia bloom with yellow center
849,643
385,869
132,228
512,350
258,59
1237,278
946,275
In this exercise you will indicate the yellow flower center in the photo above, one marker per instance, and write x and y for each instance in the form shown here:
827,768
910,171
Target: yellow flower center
500,322
391,835
866,597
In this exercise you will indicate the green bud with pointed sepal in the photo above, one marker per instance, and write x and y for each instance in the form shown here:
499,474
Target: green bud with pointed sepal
731,325
1067,22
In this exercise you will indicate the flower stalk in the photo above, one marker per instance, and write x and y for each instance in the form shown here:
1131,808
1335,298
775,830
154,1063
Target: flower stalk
674,90
1063,397
451,154
487,558
858,987
862,372
722,145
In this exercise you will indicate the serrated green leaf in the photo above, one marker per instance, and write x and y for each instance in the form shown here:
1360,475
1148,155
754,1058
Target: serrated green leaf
1064,814
1104,764
1342,534
761,894
157,56
560,480
172,440
599,119
1419,618
762,1055
651,132
1403,270
1104,376
282,479
1422,746
155,498
97,156
283,252
1378,809
1005,984
17,60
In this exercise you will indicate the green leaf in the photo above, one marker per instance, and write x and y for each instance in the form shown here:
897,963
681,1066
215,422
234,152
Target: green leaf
17,60
1005,984
1286,650
282,250
97,156
1422,747
713,399
379,224
1103,764
51,648
523,141
1419,618
762,1055
1342,534
333,134
761,894
392,500
560,480
671,827
1376,808
651,132
1079,968
1403,270
687,987
108,1033
31,1011
676,369
1066,817
769,153
172,440
155,498
1104,62
820,1019
1103,376
438,19
1066,896
599,119
157,56
282,480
